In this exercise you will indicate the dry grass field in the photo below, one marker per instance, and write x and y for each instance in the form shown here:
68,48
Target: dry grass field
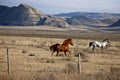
30,57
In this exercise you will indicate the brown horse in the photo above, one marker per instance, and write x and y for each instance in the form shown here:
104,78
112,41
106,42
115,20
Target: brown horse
61,47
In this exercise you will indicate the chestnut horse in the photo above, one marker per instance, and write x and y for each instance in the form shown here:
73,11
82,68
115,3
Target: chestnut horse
61,47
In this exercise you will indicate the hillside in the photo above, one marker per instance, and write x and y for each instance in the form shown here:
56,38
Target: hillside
25,15
116,24
82,20
89,15
89,18
20,15
87,21
108,21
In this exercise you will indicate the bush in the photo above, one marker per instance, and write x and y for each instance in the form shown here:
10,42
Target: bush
50,61
70,68
31,54
6,77
82,55
24,51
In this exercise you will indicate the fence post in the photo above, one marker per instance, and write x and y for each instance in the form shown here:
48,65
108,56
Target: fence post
8,62
79,64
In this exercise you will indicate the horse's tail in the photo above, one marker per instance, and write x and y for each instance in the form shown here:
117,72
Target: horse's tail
90,44
51,48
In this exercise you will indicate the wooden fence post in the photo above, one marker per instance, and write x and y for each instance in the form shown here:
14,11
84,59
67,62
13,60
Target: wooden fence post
79,64
8,62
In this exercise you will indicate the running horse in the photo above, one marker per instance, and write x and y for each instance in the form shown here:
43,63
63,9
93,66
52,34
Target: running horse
64,47
98,44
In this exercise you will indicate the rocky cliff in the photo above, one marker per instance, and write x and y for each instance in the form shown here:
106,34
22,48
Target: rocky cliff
25,15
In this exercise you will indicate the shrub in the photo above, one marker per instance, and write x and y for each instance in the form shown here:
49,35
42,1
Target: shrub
31,54
6,77
24,51
70,68
82,55
50,61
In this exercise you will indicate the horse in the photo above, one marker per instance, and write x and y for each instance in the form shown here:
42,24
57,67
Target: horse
101,45
64,47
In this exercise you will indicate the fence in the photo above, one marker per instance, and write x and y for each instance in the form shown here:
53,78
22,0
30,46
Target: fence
6,61
9,66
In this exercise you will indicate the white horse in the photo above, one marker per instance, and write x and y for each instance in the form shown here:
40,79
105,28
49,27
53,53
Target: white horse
101,45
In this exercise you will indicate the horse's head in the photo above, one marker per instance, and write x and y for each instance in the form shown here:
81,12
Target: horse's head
106,40
70,41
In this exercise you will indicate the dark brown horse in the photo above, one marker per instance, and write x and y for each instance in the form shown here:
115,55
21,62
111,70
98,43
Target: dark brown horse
61,47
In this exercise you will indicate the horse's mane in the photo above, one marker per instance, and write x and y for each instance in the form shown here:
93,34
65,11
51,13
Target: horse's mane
66,41
105,39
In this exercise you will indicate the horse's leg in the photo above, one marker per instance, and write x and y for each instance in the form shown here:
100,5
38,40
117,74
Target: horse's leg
65,53
57,53
102,49
52,53
93,48
69,52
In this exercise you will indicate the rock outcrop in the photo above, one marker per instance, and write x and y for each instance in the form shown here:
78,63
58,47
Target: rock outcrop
25,15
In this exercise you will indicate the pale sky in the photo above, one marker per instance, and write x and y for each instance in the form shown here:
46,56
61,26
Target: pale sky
66,6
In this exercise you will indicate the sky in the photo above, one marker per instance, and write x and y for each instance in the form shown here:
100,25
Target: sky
66,6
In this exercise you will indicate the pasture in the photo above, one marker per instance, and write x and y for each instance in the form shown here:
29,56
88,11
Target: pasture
30,59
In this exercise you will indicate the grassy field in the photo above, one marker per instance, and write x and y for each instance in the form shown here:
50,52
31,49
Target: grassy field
30,57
